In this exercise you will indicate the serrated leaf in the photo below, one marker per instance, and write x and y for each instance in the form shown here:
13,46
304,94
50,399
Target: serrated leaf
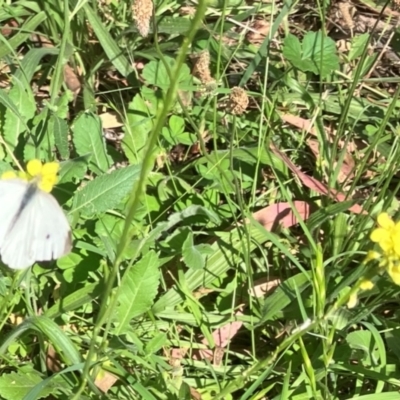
139,125
139,287
316,54
178,217
292,51
61,107
40,143
22,99
88,139
322,53
191,254
17,385
5,166
106,191
73,169
60,128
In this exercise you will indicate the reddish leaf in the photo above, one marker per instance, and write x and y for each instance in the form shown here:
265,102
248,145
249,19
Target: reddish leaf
316,185
281,214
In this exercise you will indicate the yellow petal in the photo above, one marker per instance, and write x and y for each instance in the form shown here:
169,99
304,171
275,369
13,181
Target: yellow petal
47,183
366,284
379,234
50,168
394,272
372,255
9,175
34,167
46,186
352,300
396,246
385,221
386,245
397,228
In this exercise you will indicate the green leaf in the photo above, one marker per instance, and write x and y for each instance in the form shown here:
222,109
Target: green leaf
75,300
172,25
4,167
155,73
178,217
317,53
176,133
284,295
225,253
17,385
22,99
110,47
139,125
88,138
40,143
60,128
292,52
138,288
48,328
363,341
61,107
191,254
74,169
156,343
106,191
31,60
109,229
322,53
358,44
24,32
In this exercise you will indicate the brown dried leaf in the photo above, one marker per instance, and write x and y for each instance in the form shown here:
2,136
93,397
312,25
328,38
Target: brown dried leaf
110,120
52,360
105,380
259,31
71,79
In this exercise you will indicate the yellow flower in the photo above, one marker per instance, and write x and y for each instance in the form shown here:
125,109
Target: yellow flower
363,284
353,300
387,236
366,284
12,175
45,175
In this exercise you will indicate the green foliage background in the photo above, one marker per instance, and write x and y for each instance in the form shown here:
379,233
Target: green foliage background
167,251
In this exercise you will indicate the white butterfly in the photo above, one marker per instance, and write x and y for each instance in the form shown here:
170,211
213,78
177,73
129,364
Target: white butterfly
33,227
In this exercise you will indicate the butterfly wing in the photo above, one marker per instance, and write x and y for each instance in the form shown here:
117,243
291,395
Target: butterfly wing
12,192
40,233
